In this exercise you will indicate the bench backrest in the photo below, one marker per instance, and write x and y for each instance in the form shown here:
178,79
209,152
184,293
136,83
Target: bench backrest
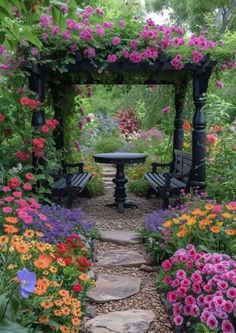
182,162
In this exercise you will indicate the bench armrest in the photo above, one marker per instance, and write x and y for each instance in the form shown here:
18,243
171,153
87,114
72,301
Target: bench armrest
161,165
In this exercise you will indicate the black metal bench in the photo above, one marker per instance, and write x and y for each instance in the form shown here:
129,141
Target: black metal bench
71,184
170,184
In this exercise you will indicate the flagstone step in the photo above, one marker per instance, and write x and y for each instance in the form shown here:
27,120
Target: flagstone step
122,237
126,258
110,287
131,321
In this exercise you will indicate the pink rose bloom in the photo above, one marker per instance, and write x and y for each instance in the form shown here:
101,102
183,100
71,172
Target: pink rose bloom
27,187
86,35
7,210
122,23
6,189
44,129
55,30
196,56
100,31
166,265
29,176
9,199
200,300
125,53
212,139
90,52
134,44
181,274
111,58
135,57
171,296
217,209
187,310
17,194
167,279
228,306
194,311
196,276
116,41
27,219
175,283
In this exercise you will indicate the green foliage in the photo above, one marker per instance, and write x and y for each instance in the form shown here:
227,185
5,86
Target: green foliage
138,187
96,186
109,144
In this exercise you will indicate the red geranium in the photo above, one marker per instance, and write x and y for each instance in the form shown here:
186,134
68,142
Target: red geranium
21,155
29,176
13,182
2,118
44,129
77,288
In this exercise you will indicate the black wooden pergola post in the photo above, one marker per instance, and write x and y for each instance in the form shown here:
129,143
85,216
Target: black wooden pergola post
180,92
200,84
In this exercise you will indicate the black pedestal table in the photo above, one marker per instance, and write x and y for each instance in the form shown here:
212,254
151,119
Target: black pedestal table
120,159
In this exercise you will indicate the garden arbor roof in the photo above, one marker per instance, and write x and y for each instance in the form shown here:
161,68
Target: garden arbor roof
159,72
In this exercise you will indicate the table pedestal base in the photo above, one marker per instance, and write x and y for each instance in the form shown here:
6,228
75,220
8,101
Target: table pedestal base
121,206
120,194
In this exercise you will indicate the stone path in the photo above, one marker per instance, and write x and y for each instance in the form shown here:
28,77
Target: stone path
109,172
125,299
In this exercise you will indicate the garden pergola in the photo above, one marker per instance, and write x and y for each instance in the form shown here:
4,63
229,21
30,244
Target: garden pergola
161,72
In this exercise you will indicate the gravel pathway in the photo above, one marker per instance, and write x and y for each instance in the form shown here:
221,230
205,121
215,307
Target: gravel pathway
109,219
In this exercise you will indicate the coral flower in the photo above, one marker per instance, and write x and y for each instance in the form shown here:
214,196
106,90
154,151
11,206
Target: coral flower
215,229
28,233
10,229
63,293
167,224
230,232
64,329
187,126
12,220
43,261
3,240
22,248
75,321
83,277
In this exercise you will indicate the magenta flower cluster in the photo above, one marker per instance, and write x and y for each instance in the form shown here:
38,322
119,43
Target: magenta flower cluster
147,45
202,288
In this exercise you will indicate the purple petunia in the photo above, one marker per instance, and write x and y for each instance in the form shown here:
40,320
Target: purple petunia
27,281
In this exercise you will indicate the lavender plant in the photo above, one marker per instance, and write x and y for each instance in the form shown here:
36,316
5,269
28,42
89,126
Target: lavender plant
60,222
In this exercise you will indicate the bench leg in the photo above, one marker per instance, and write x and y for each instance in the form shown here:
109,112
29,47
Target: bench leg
165,204
149,193
70,199
86,193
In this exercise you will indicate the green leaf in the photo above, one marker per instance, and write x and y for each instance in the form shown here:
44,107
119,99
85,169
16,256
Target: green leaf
55,15
7,326
29,36
2,36
3,304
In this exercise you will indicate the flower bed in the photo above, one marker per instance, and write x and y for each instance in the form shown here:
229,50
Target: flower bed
201,288
210,227
43,286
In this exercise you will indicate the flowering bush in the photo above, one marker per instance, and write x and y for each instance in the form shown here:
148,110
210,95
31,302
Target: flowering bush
211,227
128,122
201,288
43,286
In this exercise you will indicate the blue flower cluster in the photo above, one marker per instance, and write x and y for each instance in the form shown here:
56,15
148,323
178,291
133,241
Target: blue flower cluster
61,222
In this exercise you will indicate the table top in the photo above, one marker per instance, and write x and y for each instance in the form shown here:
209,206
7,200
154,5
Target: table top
120,158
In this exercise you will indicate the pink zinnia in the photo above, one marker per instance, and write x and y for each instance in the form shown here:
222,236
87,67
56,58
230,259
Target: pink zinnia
125,53
167,279
212,322
116,41
212,139
166,265
178,320
227,327
189,300
231,293
122,23
135,57
7,210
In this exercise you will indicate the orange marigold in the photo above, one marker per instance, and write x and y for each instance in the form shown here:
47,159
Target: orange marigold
22,248
57,313
64,329
65,310
215,229
3,240
64,293
29,233
46,304
75,321
83,277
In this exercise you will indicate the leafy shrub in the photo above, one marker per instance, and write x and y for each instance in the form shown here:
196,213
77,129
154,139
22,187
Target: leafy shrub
201,289
109,144
138,187
96,186
128,122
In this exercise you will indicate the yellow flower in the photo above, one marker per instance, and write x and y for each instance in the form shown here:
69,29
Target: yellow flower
3,240
199,212
220,224
176,221
227,215
184,217
191,221
209,206
29,233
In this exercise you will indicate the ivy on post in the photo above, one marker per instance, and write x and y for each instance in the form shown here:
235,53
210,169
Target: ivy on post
201,77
